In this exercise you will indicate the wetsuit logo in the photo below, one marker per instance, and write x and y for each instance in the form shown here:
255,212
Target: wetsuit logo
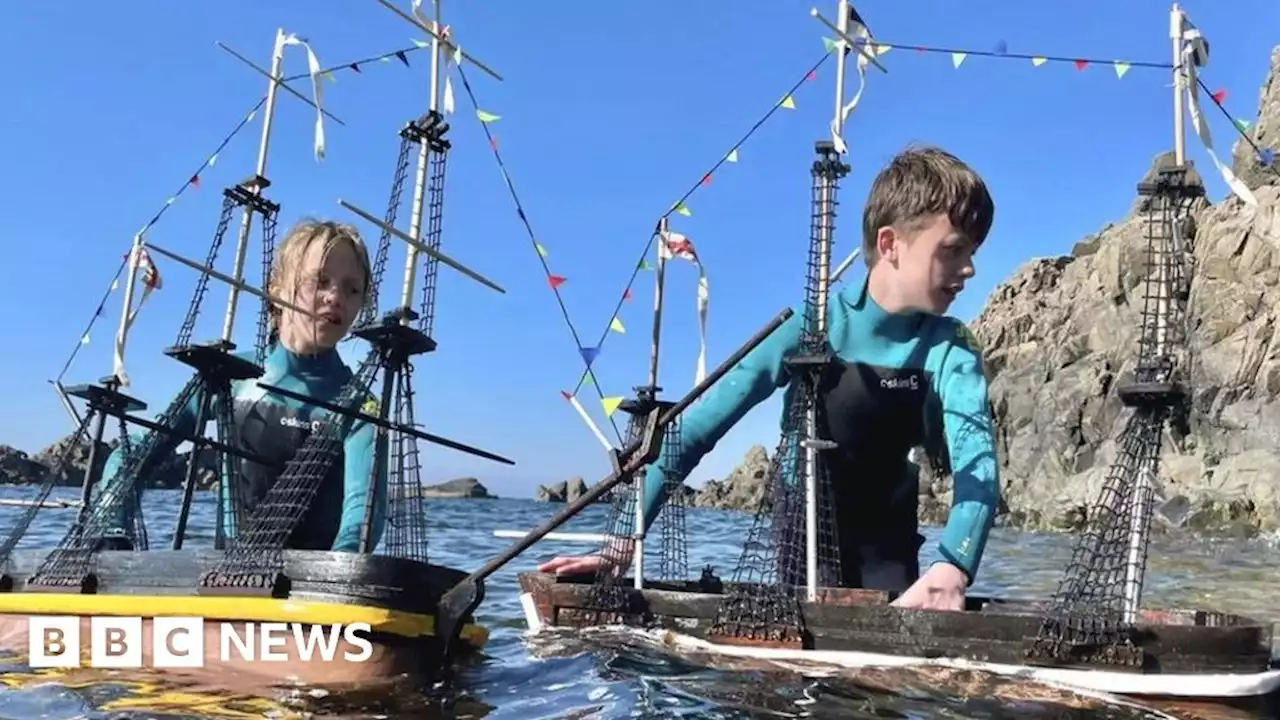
313,426
911,382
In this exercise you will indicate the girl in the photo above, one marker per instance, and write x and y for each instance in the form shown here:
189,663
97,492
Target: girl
323,267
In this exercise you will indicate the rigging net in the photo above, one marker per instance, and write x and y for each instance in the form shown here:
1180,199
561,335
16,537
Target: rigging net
763,601
1092,616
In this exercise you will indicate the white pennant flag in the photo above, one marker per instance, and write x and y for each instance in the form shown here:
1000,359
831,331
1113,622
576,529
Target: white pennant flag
677,245
455,57
313,69
1195,52
858,31
139,261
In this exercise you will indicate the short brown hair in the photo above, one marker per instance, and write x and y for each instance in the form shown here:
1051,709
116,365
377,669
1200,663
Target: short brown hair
295,246
921,182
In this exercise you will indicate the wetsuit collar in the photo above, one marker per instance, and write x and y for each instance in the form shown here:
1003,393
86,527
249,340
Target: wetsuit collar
322,364
878,321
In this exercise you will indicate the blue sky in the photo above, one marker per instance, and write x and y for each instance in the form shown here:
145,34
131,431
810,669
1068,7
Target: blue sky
607,117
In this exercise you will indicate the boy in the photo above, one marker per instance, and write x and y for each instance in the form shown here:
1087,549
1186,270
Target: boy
323,267
906,375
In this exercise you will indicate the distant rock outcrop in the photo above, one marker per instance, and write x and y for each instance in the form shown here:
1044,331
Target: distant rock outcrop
743,487
459,488
69,463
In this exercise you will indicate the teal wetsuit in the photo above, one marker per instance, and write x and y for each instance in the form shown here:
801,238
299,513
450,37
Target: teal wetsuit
901,381
270,425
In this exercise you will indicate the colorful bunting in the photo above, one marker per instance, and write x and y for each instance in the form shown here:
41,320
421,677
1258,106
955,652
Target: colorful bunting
1121,68
1267,157
556,281
957,58
541,250
616,326
1081,64
1038,61
683,210
610,405
788,102
1219,96
732,156
589,354
487,117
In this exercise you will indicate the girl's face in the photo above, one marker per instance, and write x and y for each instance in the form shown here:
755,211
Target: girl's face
330,283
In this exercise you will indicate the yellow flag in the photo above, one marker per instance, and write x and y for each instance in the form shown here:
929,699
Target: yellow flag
683,210
1121,68
788,103
610,404
882,49
957,58
616,325
1038,61
541,250
486,117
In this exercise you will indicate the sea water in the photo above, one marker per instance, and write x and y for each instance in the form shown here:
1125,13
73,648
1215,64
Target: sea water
563,676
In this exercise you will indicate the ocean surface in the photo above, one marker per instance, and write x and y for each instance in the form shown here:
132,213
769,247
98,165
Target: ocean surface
567,676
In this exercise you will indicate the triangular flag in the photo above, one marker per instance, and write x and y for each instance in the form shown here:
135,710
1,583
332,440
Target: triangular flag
354,66
541,250
881,49
1038,61
493,143
213,159
589,354
813,75
1268,157
486,117
828,44
556,281
84,339
1082,64
733,155
329,76
644,265
1219,96
195,180
616,325
706,179
566,394
627,295
610,405
1121,68
680,208
420,43
957,58
403,59
384,58
788,103
1243,124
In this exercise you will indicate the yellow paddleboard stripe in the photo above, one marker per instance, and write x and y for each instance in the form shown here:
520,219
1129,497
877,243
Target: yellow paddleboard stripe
232,608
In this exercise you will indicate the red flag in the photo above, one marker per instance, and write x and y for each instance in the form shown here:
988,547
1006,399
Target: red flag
556,281
1219,96
1081,64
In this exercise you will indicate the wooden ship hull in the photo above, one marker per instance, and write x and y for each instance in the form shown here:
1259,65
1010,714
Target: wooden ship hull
396,597
1186,656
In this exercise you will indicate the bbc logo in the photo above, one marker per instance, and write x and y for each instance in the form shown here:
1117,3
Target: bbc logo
115,642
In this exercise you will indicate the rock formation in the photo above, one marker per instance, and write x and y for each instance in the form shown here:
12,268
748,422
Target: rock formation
17,468
1061,333
459,488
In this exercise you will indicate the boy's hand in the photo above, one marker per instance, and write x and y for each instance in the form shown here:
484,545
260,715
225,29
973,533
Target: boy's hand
940,588
618,557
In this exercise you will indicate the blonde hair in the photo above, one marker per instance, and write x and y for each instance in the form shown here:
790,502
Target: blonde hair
921,182
297,242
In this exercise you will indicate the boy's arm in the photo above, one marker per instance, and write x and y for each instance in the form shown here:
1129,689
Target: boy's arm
359,452
970,435
701,426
